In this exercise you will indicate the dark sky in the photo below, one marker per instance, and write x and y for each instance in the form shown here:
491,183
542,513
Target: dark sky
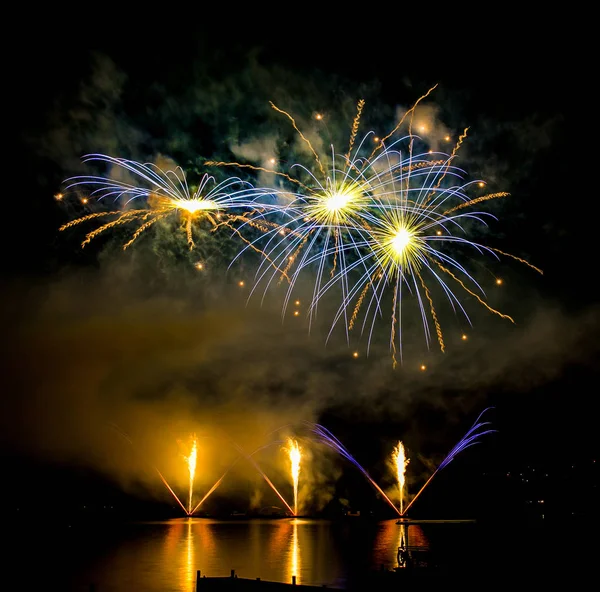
100,337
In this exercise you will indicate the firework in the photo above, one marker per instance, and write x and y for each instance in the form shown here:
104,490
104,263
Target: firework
319,209
324,436
413,235
250,459
294,452
394,223
468,440
400,462
191,462
164,195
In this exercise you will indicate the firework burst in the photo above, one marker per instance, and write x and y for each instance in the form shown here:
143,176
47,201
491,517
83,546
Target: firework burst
414,242
164,195
391,223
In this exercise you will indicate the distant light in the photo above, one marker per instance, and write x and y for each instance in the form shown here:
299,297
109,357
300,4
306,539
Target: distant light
423,367
447,138
296,313
318,116
272,161
375,139
282,232
297,303
431,152
241,283
481,184
355,355
58,196
499,281
439,233
464,337
199,265
422,128
84,200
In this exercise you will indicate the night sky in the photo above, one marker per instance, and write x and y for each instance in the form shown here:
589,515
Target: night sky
99,342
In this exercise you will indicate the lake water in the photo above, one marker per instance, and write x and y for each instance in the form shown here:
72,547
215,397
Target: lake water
163,556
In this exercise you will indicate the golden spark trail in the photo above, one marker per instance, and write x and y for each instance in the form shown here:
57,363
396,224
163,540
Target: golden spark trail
336,235
292,258
355,125
358,305
143,227
447,164
172,492
411,110
438,328
295,454
254,168
466,204
393,340
301,134
400,461
98,215
254,463
209,492
475,295
419,493
191,461
267,258
518,259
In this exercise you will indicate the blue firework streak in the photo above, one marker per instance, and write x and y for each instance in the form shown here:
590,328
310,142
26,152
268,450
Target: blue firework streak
477,430
163,194
324,436
319,223
403,240
396,224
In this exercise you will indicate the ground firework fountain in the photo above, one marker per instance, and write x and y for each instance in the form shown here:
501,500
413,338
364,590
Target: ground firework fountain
400,462
321,435
294,452
191,461
468,440
324,436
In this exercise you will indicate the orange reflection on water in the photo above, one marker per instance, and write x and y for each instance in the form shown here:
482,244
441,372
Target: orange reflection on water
279,538
285,547
187,543
189,564
390,536
294,555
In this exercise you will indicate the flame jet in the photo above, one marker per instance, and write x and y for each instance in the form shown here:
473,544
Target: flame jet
400,462
295,454
191,461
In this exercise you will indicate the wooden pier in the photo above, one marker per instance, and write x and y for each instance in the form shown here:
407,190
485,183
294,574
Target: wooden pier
233,582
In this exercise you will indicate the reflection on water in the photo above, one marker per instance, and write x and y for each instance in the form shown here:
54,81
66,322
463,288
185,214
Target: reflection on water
390,536
294,562
165,556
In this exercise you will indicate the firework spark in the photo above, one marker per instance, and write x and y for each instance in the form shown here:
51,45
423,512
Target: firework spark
295,454
324,436
165,194
407,242
319,207
191,462
400,462
400,222
468,440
